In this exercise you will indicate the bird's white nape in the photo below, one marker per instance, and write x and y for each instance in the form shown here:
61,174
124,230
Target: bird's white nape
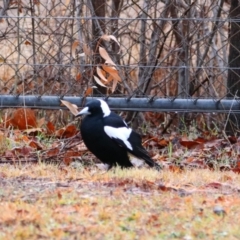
121,133
106,110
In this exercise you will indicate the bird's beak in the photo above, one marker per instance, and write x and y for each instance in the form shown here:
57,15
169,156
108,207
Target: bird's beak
84,111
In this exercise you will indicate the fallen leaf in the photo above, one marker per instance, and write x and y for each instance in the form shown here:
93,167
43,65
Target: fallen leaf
66,132
216,185
50,128
36,145
23,151
72,107
190,144
53,152
33,131
40,122
68,157
23,118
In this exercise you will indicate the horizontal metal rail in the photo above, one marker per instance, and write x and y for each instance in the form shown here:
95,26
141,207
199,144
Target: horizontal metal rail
117,103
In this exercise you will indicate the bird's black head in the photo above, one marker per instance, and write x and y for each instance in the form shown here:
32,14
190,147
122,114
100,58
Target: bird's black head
95,107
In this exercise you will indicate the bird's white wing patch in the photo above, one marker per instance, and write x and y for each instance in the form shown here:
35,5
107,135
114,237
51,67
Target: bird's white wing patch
121,133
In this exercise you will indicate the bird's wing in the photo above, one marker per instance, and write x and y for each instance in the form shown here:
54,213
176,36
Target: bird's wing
117,129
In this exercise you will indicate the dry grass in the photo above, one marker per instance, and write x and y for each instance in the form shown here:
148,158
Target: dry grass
46,202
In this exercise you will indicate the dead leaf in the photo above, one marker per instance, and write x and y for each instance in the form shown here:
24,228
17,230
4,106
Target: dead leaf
40,122
23,151
103,53
190,144
216,185
114,85
66,132
33,131
88,92
110,37
68,156
232,139
74,47
36,145
112,71
53,152
28,43
81,147
163,142
101,74
72,107
50,128
99,82
78,76
23,118
87,50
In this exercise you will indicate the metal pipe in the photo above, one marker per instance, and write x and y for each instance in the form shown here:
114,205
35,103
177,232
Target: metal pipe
117,103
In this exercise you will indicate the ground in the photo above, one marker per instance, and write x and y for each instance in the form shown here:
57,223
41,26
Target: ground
46,201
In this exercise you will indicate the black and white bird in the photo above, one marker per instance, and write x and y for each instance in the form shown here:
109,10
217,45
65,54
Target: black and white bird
109,137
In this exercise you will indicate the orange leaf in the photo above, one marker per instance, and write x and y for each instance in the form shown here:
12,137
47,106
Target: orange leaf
101,74
68,157
66,132
112,71
23,118
53,152
88,92
190,144
50,128
28,43
35,145
163,142
78,76
74,47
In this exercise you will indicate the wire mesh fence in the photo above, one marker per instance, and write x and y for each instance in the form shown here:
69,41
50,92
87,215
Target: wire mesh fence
121,48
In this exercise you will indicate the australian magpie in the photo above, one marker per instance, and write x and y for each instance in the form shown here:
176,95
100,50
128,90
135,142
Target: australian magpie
109,137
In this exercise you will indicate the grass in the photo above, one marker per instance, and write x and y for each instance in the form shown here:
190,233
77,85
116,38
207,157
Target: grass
49,202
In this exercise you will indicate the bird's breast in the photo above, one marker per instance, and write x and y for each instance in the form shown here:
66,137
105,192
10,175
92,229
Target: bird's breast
92,129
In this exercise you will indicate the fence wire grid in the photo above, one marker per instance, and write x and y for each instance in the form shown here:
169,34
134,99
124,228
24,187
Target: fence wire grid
121,48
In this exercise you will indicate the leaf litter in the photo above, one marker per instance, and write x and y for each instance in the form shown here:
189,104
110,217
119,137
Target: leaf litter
47,167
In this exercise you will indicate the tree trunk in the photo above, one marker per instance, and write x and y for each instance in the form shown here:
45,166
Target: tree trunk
233,82
98,29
